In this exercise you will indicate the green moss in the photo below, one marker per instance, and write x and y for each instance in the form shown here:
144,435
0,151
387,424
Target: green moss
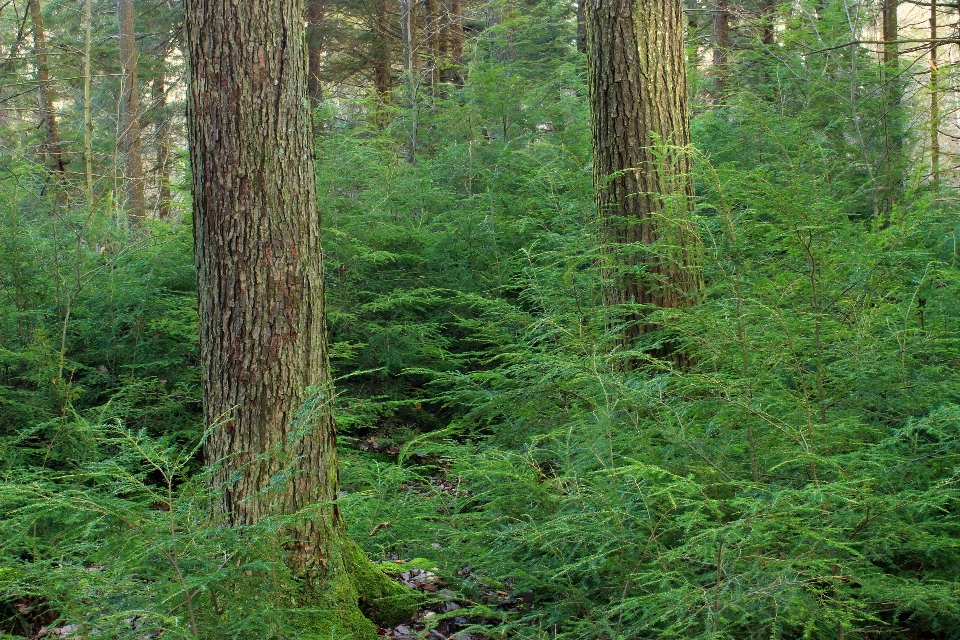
392,568
382,599
396,568
422,564
356,595
340,624
8,577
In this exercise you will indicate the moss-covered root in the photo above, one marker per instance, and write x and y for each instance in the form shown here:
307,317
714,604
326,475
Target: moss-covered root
356,597
381,599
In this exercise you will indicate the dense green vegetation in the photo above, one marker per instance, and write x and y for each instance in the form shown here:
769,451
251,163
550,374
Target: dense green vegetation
800,480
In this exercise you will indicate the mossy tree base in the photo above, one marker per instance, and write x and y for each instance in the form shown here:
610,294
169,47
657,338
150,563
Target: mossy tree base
354,598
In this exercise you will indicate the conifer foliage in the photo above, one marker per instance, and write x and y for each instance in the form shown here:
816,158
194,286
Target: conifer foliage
793,475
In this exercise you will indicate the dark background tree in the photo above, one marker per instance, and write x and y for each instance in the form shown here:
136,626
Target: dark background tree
53,150
721,44
130,130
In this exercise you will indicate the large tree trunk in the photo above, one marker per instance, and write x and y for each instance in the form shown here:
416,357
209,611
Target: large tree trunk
130,116
53,151
266,381
641,131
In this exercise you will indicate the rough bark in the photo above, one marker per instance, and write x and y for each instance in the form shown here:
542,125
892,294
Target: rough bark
272,444
316,17
130,132
891,51
644,191
721,47
52,149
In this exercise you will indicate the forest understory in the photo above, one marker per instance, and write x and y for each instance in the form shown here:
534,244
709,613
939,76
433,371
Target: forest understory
764,443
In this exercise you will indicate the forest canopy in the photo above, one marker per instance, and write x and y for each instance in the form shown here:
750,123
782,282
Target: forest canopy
636,319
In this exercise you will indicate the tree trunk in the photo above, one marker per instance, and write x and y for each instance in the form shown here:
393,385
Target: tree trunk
509,16
382,75
130,116
492,14
934,97
315,26
887,185
642,167
581,27
443,34
431,29
52,150
87,119
408,31
454,40
161,136
891,51
266,380
767,10
721,47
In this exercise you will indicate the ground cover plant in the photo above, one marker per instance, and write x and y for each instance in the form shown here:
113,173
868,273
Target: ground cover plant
505,455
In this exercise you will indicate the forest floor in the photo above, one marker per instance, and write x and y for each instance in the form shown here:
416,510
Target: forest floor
441,615
436,620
